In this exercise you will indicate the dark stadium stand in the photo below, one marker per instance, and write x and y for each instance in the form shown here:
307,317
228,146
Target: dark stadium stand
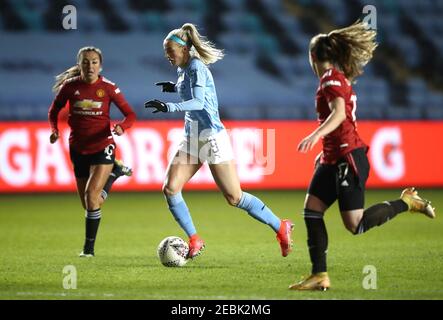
265,74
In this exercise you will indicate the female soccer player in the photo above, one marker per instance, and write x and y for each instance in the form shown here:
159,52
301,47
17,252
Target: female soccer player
91,146
342,168
205,137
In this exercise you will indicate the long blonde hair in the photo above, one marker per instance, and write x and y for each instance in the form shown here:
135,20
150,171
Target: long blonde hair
349,48
74,71
199,45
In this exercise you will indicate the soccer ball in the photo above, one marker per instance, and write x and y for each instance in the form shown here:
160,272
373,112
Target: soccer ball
173,251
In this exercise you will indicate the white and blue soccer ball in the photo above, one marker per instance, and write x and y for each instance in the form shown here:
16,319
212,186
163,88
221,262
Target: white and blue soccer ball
173,251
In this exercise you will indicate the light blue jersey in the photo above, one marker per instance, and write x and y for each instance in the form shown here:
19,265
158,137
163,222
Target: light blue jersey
196,88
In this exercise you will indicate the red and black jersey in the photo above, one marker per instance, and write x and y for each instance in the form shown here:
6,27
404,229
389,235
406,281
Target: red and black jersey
89,106
338,143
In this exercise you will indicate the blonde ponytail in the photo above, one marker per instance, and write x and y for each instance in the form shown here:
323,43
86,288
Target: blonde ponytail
199,45
350,48
74,71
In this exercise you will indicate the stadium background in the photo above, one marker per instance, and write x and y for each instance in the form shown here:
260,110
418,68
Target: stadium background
265,76
264,83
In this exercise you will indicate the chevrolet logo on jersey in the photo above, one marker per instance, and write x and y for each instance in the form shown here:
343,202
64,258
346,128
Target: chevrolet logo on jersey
87,104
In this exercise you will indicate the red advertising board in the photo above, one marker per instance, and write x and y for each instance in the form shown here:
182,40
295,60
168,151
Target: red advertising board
401,154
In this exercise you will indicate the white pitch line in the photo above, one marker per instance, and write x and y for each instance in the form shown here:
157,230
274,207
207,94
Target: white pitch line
112,295
73,294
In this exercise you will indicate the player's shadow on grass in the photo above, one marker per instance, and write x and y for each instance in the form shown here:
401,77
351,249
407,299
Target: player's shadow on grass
157,265
187,266
193,266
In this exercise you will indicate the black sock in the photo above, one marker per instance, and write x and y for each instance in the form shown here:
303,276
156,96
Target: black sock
93,218
108,185
317,239
379,214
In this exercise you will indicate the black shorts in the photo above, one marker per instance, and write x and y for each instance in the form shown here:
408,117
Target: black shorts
340,181
82,162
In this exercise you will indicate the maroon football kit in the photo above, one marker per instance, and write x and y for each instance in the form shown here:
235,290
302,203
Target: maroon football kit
345,138
88,117
344,167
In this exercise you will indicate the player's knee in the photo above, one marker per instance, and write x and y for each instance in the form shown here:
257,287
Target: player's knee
92,198
352,220
169,190
233,199
352,227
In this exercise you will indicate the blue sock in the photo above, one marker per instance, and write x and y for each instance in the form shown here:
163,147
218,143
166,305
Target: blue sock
180,211
258,210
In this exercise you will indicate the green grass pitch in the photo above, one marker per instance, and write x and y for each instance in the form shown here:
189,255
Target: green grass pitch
41,234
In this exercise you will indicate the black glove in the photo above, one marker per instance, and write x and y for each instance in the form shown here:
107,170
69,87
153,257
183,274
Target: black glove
157,105
167,86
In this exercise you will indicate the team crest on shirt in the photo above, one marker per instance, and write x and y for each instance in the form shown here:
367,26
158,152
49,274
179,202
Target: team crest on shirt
100,93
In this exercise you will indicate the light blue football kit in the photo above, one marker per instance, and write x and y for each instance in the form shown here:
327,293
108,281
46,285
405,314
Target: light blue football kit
196,88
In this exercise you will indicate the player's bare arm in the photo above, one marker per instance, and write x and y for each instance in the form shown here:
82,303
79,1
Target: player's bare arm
337,116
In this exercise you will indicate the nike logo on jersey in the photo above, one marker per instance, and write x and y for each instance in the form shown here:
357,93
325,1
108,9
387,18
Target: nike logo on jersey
76,93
